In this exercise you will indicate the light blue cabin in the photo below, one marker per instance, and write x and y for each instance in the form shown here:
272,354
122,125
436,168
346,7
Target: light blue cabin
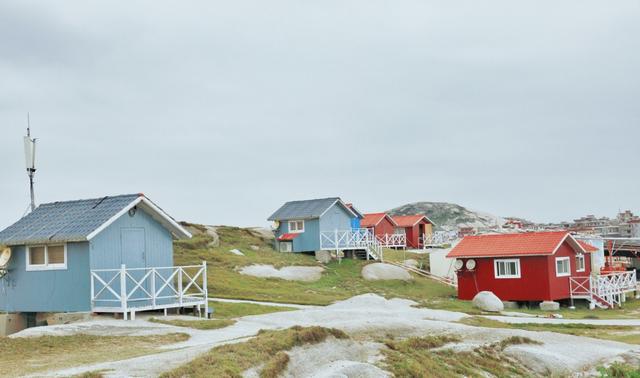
305,226
100,255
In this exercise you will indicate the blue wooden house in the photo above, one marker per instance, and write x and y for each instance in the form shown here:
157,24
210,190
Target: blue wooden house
326,224
109,254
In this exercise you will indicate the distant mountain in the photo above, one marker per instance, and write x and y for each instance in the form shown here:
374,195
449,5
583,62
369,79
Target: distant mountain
449,216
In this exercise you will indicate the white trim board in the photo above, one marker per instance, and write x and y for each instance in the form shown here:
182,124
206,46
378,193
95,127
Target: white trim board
161,216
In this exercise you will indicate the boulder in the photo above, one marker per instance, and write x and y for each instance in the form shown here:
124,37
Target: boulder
549,306
381,271
254,247
487,301
323,256
237,252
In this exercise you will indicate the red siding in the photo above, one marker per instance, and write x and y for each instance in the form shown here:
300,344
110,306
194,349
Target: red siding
384,227
413,237
560,285
537,280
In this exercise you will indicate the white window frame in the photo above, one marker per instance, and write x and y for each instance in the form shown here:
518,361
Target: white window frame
506,261
46,265
295,222
584,263
568,260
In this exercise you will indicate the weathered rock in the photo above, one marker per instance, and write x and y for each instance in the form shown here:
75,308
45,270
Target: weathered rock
323,256
237,252
254,247
549,306
411,262
487,301
290,273
381,271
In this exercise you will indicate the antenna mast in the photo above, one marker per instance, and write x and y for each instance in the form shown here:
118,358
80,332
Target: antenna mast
30,160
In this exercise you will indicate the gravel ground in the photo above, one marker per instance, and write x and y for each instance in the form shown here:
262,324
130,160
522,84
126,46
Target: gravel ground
363,317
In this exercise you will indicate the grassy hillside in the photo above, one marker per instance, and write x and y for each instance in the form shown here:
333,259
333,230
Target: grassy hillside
340,280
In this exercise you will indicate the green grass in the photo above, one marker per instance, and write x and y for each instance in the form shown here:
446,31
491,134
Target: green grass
228,310
626,334
339,281
420,357
206,324
30,355
619,370
267,348
631,309
223,315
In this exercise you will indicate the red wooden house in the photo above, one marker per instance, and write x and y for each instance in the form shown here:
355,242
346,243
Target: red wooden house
534,266
384,229
380,223
415,227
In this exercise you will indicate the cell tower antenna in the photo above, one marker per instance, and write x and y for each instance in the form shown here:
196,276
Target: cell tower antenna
30,160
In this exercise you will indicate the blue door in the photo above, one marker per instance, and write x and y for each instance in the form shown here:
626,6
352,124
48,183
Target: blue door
133,247
134,256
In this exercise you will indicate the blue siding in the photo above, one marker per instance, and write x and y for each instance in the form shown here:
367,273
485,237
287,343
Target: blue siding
47,291
336,218
307,241
106,247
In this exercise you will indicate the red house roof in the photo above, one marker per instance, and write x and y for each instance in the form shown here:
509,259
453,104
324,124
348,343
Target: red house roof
526,244
373,219
410,220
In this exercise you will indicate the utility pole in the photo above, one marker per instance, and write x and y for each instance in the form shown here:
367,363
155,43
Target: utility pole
30,160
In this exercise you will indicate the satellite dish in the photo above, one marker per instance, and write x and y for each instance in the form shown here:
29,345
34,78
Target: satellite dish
471,264
5,256
276,225
458,264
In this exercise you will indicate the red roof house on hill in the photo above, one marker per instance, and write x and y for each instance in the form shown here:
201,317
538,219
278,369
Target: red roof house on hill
535,266
415,227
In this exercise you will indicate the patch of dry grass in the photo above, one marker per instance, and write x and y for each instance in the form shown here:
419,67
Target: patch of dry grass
420,357
29,355
232,359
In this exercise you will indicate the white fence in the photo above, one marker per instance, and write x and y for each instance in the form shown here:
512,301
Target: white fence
438,238
392,240
605,290
129,290
360,238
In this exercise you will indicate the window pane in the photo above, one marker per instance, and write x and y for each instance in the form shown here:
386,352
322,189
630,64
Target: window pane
501,268
56,254
300,225
512,269
36,255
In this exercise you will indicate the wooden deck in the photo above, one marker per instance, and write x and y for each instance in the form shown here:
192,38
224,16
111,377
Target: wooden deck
131,290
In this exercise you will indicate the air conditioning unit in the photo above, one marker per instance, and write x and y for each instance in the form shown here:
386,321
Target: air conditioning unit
286,247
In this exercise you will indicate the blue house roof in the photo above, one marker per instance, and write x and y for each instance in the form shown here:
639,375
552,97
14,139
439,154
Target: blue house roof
80,220
307,209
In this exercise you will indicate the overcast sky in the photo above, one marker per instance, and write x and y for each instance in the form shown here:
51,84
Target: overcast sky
221,111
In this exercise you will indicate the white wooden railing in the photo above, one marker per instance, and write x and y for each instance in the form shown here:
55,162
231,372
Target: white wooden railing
128,290
360,238
605,290
392,240
438,238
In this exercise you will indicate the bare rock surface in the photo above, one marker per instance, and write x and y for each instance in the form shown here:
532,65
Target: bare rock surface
382,271
290,273
365,317
237,252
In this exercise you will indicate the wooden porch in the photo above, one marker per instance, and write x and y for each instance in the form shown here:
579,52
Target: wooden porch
131,290
354,239
604,290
